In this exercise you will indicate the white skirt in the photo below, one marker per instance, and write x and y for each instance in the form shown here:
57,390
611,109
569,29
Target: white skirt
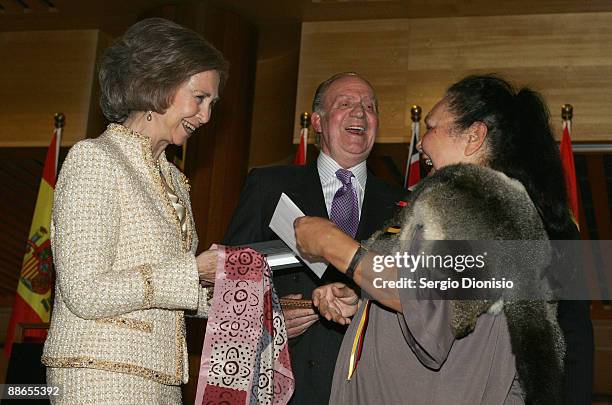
91,386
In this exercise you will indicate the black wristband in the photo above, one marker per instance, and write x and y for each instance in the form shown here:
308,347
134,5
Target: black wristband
350,271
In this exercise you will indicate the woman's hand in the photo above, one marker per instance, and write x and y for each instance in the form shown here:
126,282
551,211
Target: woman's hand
336,302
320,238
313,235
207,266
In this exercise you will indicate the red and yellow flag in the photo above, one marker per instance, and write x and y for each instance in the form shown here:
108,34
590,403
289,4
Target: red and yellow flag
33,298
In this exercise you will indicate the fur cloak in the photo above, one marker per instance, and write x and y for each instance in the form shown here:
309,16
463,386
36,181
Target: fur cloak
468,202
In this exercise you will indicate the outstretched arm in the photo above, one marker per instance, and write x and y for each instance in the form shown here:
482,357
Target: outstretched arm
319,237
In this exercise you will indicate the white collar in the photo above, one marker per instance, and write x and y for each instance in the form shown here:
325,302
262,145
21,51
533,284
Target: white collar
328,167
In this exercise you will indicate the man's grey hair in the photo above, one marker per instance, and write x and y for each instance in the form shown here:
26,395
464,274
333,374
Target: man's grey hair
317,101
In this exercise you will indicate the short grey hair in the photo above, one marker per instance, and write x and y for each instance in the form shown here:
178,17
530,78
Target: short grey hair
317,101
144,68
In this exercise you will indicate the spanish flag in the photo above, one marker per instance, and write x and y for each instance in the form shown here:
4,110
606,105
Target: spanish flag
33,298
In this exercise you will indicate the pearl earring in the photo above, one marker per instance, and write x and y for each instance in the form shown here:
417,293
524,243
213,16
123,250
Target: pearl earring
149,115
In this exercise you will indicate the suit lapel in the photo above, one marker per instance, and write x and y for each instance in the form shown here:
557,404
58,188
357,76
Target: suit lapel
377,207
307,193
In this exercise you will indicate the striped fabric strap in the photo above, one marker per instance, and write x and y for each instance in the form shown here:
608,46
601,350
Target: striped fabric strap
358,339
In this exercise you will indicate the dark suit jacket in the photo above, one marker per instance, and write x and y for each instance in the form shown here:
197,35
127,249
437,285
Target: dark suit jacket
313,354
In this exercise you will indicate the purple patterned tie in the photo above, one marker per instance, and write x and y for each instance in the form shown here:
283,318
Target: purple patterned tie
345,209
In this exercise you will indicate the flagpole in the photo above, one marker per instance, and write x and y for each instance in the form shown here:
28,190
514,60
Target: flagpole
415,115
305,124
567,113
60,119
305,120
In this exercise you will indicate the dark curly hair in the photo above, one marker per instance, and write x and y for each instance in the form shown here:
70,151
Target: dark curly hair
143,69
520,142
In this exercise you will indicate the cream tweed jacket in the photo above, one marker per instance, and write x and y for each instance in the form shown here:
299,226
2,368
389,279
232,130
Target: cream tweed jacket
126,271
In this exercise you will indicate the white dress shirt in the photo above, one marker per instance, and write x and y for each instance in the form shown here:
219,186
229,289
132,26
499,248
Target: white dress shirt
328,167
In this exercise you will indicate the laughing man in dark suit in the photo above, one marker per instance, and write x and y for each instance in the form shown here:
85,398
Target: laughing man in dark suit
345,116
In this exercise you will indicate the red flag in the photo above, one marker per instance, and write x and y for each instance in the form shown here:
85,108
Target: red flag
567,160
33,298
413,163
300,154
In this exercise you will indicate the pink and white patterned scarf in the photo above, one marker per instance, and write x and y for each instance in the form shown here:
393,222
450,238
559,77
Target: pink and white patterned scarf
245,358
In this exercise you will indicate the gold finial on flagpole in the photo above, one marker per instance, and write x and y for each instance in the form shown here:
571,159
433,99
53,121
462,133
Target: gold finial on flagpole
60,119
567,112
305,120
415,113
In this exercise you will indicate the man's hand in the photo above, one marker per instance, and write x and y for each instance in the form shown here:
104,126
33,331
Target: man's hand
336,302
297,320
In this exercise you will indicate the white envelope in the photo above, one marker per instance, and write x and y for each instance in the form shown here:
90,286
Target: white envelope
282,224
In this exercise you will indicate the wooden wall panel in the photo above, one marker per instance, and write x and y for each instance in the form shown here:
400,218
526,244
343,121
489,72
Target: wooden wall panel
567,57
510,41
275,90
376,49
44,72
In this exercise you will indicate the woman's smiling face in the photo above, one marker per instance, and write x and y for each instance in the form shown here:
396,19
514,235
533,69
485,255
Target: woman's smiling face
190,107
442,142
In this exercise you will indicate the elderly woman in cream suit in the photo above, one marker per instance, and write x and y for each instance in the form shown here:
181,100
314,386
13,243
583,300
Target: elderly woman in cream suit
123,234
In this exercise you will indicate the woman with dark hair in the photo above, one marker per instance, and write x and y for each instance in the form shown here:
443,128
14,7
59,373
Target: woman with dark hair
123,233
497,177
525,116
